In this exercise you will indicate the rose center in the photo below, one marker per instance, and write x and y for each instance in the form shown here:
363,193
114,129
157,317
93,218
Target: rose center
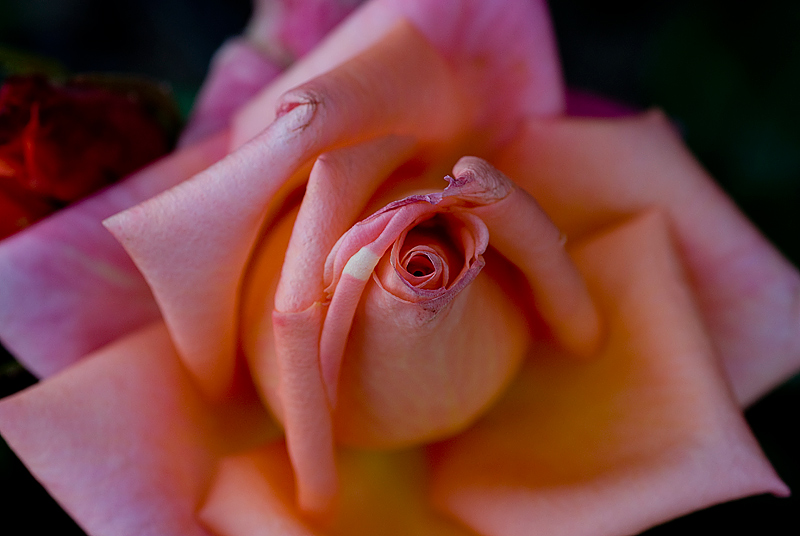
430,253
419,265
423,266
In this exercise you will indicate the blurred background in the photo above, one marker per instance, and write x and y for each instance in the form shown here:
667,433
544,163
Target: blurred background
729,76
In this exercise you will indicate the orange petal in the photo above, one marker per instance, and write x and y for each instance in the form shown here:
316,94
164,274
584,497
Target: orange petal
417,372
646,432
124,440
586,173
523,233
382,493
285,368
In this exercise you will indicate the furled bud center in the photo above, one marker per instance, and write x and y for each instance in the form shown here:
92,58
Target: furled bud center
424,263
433,339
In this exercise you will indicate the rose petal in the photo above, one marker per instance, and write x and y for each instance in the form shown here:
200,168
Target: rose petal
340,184
355,257
288,29
524,234
588,172
586,104
63,279
253,494
646,432
504,52
237,73
383,493
125,441
414,372
306,413
194,264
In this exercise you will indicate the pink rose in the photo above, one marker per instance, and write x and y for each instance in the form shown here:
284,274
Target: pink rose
433,360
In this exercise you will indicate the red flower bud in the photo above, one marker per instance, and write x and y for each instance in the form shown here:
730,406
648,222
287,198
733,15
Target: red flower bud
59,144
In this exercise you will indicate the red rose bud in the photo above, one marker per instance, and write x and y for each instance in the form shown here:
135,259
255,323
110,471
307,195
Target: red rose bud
59,144
18,207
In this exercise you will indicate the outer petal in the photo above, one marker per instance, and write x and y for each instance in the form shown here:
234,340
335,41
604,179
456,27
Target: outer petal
645,433
586,173
279,32
238,72
288,29
586,104
504,52
62,281
124,441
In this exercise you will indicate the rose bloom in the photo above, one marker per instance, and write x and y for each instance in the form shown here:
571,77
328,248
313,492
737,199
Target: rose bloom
307,330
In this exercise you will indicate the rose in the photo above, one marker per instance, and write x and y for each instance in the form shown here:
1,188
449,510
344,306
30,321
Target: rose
679,401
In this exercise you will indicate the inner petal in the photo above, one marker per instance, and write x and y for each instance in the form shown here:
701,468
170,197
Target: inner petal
429,251
420,264
424,267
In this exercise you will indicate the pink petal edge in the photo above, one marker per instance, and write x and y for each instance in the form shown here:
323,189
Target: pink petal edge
63,279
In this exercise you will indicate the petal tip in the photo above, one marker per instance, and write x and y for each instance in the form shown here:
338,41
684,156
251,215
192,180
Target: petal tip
478,181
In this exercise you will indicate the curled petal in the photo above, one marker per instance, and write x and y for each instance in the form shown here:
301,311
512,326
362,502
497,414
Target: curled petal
419,371
306,413
524,234
434,246
340,184
383,325
422,267
350,265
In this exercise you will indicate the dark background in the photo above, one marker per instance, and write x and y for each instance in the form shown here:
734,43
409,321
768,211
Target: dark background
728,75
